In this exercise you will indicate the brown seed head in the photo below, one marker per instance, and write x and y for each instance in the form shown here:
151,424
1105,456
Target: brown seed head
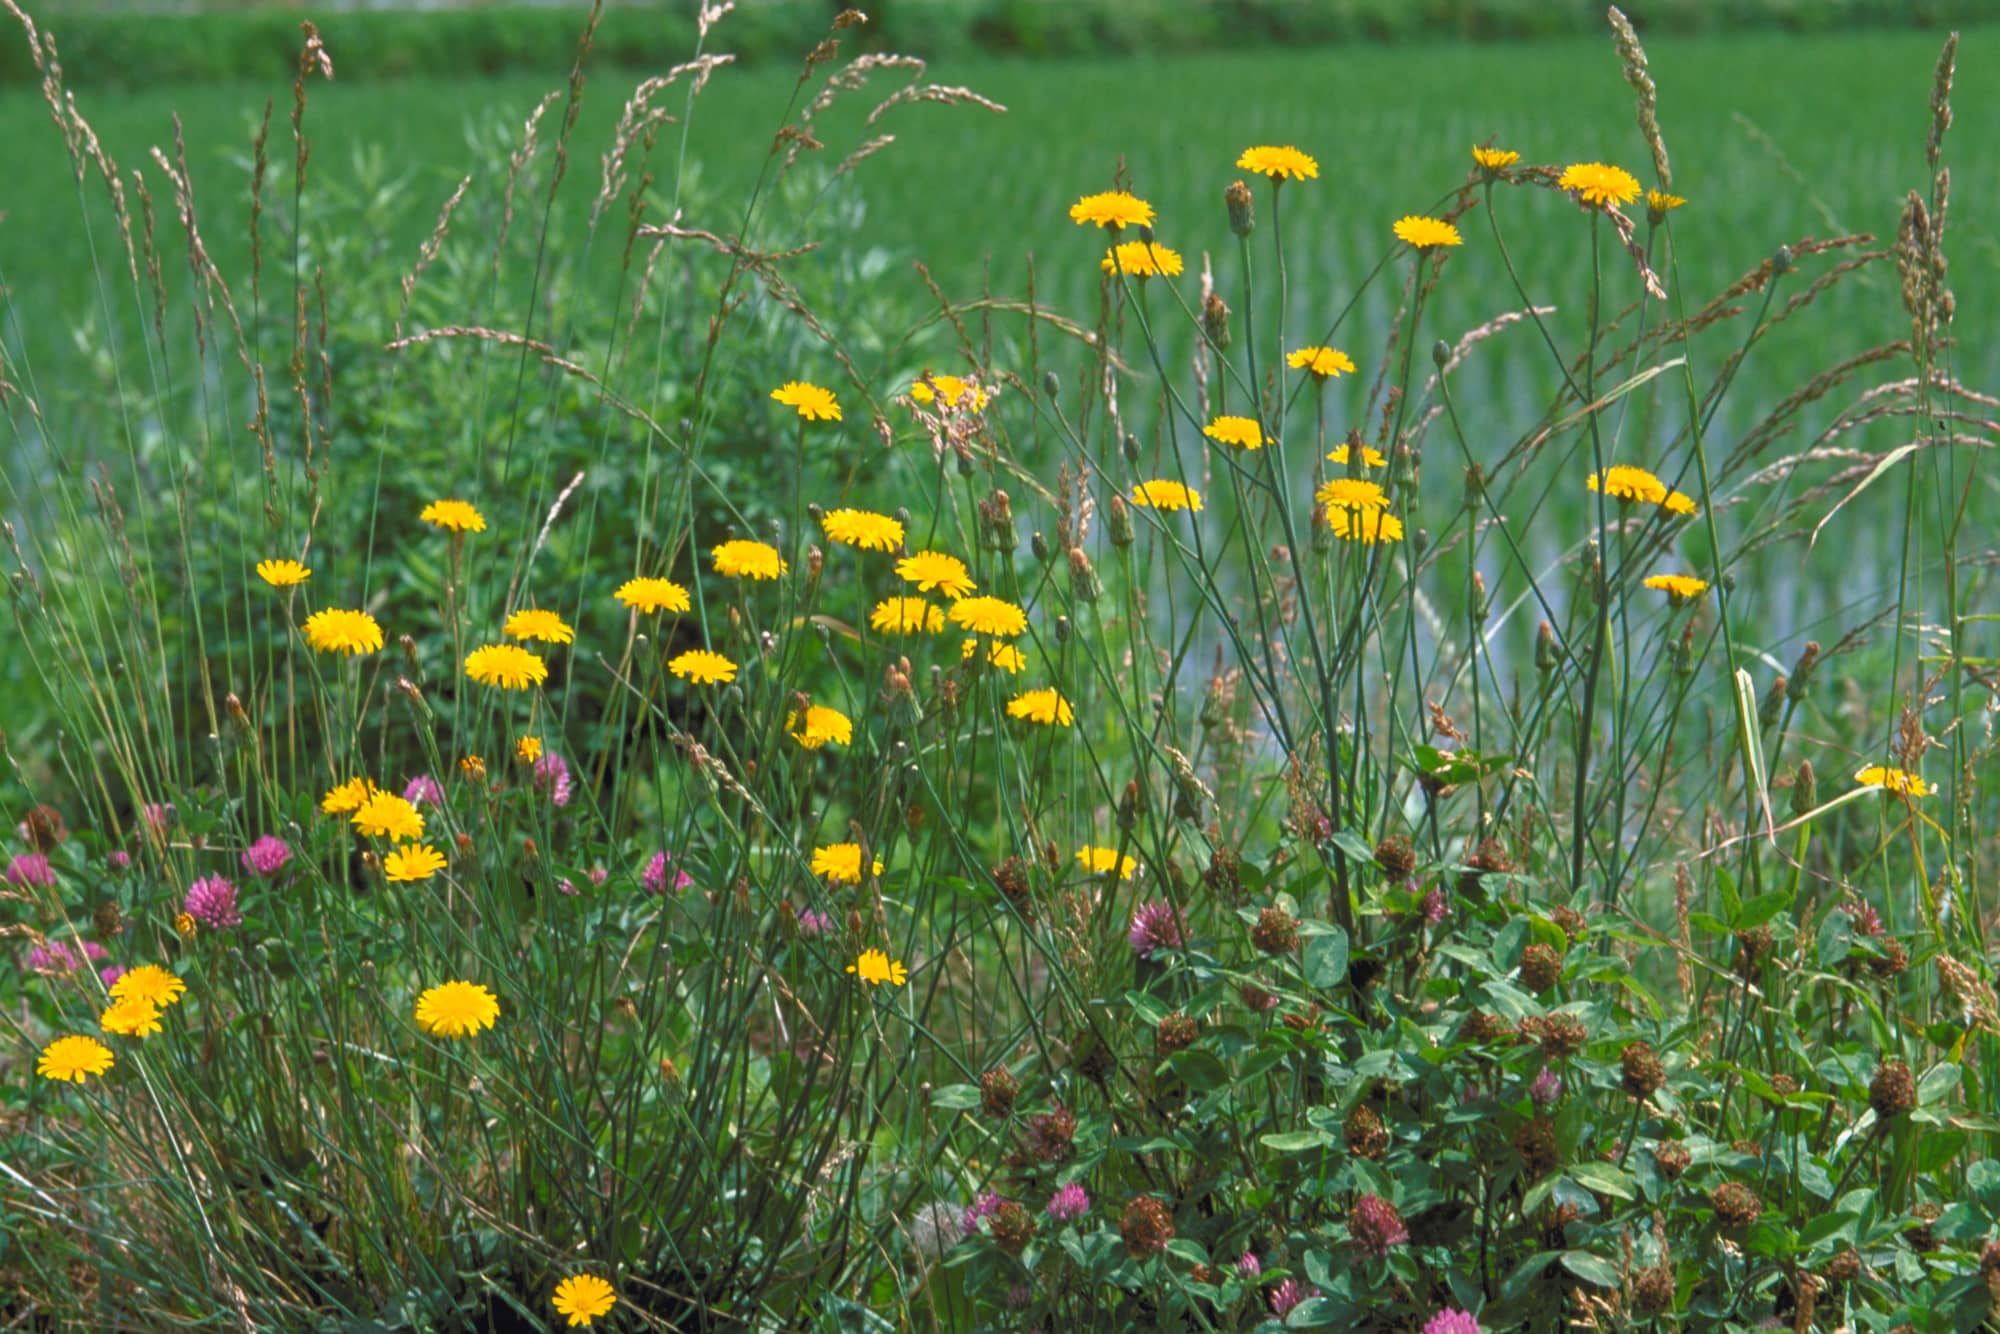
1736,1206
1893,1091
997,1090
1644,1074
1396,857
1146,1226
1176,1032
1364,1133
1541,967
1275,932
1672,1158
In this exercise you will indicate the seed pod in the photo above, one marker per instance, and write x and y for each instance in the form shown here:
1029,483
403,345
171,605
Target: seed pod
1242,216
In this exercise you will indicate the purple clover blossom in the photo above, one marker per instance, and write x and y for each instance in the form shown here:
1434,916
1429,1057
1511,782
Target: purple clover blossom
654,879
31,870
1068,1203
1546,1088
52,957
598,875
1248,1265
1435,907
119,859
1154,927
93,951
111,973
1288,1295
552,777
159,817
565,886
814,923
423,790
1375,1226
985,1206
1451,1321
211,901
267,856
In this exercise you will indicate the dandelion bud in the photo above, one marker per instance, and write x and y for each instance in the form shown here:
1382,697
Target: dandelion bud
1482,606
1805,789
1475,486
1216,702
408,644
996,522
464,842
1769,711
529,851
1440,353
1050,384
1084,585
1802,670
1242,218
965,464
1403,467
1040,546
1215,322
1781,262
732,697
1420,542
1062,629
1131,447
1546,656
1683,652
370,862
1128,806
1118,522
815,562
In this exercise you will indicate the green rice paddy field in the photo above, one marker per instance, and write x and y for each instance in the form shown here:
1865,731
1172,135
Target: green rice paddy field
1773,139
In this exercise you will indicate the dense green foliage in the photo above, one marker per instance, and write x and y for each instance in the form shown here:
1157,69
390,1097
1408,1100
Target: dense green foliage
1367,934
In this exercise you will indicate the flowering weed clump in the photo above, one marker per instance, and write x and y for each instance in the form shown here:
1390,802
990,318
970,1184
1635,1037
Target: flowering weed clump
782,824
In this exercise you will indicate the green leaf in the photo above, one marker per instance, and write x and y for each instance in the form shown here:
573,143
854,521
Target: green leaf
1822,1227
1770,1238
1295,1141
955,1097
1937,1082
1605,1179
1762,909
1326,959
1591,1268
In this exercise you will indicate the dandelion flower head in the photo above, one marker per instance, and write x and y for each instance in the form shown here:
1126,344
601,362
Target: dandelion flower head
412,862
1622,482
282,573
745,559
952,389
1659,201
1891,779
386,815
650,595
906,616
132,1017
1004,656
457,1009
1682,588
1495,159
1114,209
821,725
582,1298
702,667
71,1058
346,797
874,967
533,623
508,666
1280,164
1371,457
1426,233
862,528
1044,706
1166,495
1598,184
331,630
1099,861
935,570
1678,502
455,515
841,862
812,402
1243,431
989,616
1323,362
1364,525
150,983
1353,493
528,749
1142,259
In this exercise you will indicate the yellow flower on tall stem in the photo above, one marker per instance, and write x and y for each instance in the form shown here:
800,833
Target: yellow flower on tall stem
1241,431
1422,233
386,815
651,595
742,559
1166,495
457,1009
906,616
508,666
1364,525
935,570
1100,861
1114,209
841,863
132,1017
150,983
1680,588
582,1298
810,401
956,392
821,725
864,529
1045,706
72,1058
989,616
1598,184
1279,164
874,967
532,623
1324,363
1142,259
1495,159
347,796
454,515
412,862
1891,779
330,630
282,573
702,667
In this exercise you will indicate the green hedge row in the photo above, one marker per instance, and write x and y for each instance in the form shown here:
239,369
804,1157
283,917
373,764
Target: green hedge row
132,49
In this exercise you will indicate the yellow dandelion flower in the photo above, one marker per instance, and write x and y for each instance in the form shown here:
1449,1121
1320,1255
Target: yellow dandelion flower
508,666
953,390
1100,861
1680,588
1371,457
1243,431
412,861
457,1009
702,667
134,1017
347,796
1370,526
650,595
1659,203
841,862
474,767
1114,209
150,983
583,1297
1598,184
862,528
1004,656
753,560
386,815
282,573
1893,780
1422,233
989,616
906,616
546,626
1166,495
934,570
185,926
330,630
821,725
1323,362
1280,164
874,967
1142,259
1495,159
1679,502
71,1058
1352,493
1044,706
812,402
528,749
455,515
1627,483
